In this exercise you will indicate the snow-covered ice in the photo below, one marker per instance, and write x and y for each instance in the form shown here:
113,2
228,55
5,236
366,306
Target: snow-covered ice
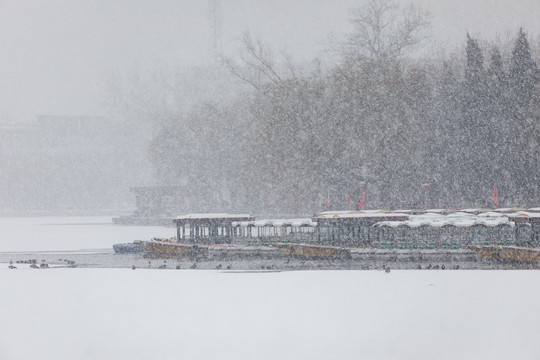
151,314
64,313
57,233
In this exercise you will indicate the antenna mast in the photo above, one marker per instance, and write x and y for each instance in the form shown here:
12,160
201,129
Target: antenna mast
215,19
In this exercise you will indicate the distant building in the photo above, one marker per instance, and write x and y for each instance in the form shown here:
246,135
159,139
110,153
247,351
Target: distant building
63,164
156,205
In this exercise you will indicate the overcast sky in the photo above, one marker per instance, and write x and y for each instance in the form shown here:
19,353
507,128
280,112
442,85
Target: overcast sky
56,54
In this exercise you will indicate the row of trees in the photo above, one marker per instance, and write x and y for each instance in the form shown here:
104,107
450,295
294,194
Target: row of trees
379,121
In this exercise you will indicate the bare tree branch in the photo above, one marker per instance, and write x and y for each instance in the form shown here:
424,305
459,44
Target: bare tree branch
382,31
257,66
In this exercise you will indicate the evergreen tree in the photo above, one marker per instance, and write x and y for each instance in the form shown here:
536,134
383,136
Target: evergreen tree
474,72
475,128
448,146
496,77
524,81
523,72
499,124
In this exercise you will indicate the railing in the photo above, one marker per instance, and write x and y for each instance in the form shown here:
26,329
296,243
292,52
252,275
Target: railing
421,238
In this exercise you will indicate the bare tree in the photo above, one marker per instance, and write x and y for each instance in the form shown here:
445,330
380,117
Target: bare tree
257,66
383,30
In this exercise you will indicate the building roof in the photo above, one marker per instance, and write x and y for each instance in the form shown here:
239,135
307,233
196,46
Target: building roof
360,216
459,219
213,218
277,222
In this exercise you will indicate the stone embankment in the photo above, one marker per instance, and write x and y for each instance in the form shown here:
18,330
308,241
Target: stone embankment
263,258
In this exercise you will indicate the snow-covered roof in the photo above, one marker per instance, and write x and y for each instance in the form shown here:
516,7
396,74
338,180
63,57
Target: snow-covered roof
459,219
360,214
425,211
346,213
439,211
491,214
411,218
213,216
508,210
276,222
474,210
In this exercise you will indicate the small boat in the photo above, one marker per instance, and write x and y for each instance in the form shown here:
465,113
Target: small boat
313,251
128,248
507,253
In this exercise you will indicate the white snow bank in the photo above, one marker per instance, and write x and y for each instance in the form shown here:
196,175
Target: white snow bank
166,314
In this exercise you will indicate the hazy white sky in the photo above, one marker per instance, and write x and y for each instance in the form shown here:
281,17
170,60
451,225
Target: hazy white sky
56,54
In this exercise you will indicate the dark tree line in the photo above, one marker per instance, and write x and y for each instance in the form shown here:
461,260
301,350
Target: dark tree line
495,133
306,139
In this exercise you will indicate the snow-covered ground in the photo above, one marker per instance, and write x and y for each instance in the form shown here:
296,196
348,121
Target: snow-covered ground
70,233
167,314
63,313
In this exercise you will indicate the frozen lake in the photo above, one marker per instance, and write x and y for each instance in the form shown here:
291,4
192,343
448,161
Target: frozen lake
54,233
148,314
151,314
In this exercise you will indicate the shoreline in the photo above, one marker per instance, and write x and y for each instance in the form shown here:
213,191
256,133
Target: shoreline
270,260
